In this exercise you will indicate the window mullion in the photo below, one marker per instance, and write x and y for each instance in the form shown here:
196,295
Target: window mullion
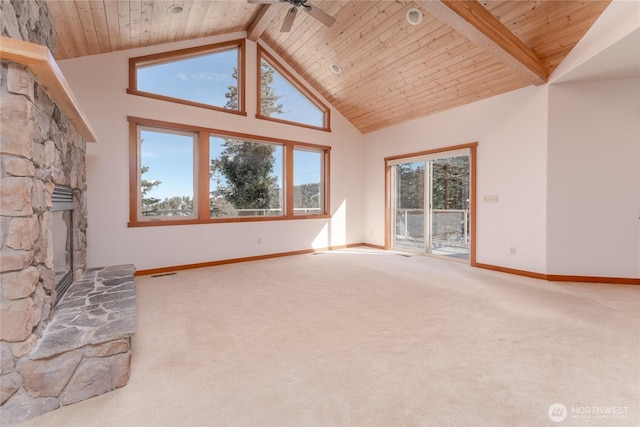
202,175
326,178
288,180
134,172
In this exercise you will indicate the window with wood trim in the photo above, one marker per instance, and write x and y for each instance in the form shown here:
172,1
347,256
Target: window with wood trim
167,180
207,76
182,174
282,98
308,176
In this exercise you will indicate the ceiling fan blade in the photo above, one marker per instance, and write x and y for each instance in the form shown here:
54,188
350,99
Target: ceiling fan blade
263,1
288,20
320,15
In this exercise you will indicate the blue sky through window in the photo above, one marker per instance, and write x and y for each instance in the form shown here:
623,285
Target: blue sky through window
307,167
169,157
205,79
296,106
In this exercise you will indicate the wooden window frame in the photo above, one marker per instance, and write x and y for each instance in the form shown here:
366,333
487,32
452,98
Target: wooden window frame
202,175
164,57
271,60
196,167
323,173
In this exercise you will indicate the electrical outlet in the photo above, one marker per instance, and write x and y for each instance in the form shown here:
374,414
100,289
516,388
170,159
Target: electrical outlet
490,198
259,241
512,250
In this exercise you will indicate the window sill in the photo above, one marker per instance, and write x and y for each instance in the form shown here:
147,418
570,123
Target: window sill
184,102
168,222
288,122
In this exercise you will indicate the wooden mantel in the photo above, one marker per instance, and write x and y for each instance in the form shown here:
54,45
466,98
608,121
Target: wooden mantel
44,67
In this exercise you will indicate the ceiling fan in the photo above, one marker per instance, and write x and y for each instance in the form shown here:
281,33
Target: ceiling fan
317,13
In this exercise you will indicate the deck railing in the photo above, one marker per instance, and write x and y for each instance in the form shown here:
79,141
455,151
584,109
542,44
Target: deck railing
449,226
188,211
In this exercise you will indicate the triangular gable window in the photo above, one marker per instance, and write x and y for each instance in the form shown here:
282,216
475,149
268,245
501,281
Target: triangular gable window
282,98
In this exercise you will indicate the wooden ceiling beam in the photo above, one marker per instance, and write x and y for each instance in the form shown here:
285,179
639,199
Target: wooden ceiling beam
478,25
260,24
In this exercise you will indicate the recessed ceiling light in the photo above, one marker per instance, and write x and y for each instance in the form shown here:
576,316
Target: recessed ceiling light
175,9
336,68
414,16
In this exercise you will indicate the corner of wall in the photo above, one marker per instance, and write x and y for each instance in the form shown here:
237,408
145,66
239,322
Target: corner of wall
617,21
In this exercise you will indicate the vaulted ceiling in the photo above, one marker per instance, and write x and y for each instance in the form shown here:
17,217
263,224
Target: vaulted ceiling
392,71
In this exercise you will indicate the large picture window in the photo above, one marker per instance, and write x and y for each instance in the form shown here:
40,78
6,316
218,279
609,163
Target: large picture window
246,178
208,76
282,98
184,175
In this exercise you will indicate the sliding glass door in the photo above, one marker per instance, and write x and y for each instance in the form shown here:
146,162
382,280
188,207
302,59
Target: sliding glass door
430,205
449,207
409,211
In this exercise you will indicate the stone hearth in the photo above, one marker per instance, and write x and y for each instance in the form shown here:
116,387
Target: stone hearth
85,350
98,308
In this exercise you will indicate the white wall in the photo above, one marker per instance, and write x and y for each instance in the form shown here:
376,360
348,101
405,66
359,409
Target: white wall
597,54
511,162
594,178
99,83
594,150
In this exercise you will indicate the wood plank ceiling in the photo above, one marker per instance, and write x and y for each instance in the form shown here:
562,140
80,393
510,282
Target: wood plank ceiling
391,71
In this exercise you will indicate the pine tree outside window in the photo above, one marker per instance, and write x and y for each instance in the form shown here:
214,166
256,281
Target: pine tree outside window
246,178
294,103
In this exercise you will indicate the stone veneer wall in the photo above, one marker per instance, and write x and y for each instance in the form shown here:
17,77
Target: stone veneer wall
39,148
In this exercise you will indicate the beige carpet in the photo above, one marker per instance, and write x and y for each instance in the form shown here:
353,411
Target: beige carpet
370,338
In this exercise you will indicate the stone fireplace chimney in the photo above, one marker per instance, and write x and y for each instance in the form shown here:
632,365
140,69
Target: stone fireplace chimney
39,150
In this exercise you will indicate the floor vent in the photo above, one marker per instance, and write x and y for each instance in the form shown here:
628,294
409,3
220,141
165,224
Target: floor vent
163,274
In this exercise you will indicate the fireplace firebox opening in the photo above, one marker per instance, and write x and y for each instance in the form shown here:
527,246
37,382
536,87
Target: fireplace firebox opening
62,224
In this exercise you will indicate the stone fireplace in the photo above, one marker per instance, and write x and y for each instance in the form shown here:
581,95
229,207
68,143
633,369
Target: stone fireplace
55,349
